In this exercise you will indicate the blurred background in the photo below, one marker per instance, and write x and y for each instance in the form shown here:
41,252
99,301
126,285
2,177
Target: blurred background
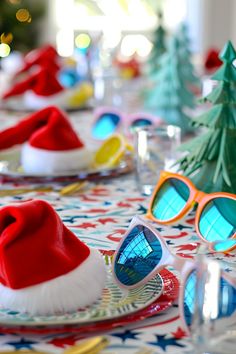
125,25
110,39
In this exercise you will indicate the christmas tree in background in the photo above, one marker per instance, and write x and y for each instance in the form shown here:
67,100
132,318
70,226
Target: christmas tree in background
19,23
159,46
169,97
188,69
211,158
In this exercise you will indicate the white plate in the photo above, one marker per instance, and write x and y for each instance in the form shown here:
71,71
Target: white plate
11,169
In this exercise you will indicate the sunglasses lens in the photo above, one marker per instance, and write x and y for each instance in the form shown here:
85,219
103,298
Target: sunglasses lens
227,299
189,297
218,222
224,246
170,199
105,125
141,122
139,254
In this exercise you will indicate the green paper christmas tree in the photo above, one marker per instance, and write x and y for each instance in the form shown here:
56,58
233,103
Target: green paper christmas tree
159,46
211,158
169,96
186,57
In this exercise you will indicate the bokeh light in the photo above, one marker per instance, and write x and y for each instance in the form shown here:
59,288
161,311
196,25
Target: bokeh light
82,41
6,38
4,50
23,15
144,46
135,43
127,46
14,2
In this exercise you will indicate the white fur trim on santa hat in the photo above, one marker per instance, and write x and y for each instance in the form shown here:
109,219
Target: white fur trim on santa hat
42,162
67,293
33,101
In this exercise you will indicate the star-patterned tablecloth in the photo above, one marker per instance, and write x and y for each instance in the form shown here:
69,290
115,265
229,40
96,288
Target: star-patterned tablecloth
99,215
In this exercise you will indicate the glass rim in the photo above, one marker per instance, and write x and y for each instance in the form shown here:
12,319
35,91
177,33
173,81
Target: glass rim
151,129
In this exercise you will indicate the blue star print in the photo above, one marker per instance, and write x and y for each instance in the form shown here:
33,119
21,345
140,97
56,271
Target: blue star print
22,344
163,342
126,335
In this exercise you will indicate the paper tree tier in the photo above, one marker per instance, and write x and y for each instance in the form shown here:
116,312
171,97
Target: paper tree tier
170,95
210,159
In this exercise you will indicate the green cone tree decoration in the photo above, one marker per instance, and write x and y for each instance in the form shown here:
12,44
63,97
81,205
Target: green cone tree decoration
185,54
169,97
159,45
211,158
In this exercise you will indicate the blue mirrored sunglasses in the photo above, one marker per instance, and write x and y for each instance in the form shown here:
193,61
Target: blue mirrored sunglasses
142,253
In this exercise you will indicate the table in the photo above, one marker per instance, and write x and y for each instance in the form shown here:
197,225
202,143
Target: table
99,215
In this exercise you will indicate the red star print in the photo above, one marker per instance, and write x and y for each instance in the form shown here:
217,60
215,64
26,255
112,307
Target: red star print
97,211
181,234
64,341
188,247
104,221
179,333
191,221
87,199
117,238
124,205
100,191
86,225
135,199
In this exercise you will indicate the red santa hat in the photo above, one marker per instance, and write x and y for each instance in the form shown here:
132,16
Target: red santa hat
212,60
45,57
42,82
51,144
44,267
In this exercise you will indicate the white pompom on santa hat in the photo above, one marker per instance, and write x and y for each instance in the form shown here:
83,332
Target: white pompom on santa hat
44,268
51,146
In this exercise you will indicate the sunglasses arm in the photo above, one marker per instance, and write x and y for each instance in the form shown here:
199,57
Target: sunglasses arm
182,265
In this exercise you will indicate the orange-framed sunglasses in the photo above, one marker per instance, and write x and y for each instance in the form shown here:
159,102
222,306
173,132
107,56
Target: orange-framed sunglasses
175,195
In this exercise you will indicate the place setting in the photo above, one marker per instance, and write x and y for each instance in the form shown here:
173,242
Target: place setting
117,177
41,79
107,305
68,163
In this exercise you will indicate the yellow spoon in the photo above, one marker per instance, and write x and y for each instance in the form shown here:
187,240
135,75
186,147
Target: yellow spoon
73,188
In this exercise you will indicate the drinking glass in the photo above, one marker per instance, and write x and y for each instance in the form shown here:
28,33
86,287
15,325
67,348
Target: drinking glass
155,150
213,329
